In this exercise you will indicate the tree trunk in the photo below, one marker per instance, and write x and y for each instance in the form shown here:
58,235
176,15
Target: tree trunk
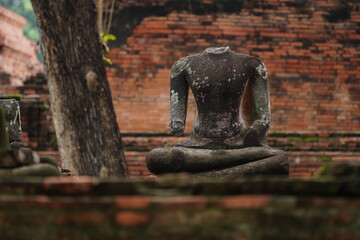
88,136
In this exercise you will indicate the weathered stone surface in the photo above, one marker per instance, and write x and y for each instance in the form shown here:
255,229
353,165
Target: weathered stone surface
228,138
338,170
8,159
15,159
12,117
218,78
4,141
275,165
181,159
24,162
35,170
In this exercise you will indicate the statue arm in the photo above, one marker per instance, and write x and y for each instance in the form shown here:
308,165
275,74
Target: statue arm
179,89
256,134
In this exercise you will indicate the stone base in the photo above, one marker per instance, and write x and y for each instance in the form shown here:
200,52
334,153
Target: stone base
276,165
218,163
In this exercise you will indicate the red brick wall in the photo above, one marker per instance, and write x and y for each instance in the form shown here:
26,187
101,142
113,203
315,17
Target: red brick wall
313,64
17,53
312,59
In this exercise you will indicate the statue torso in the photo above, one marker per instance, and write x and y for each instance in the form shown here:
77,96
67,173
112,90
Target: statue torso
217,78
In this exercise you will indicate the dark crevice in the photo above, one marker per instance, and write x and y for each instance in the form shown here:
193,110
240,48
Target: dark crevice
342,11
126,19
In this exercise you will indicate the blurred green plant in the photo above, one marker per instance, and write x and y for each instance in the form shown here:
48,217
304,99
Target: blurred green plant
25,9
105,13
105,39
17,96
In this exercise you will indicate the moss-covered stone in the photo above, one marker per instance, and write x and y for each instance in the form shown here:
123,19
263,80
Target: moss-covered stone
4,139
325,158
17,96
339,170
311,139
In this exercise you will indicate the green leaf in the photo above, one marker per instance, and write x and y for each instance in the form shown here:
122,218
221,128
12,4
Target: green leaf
107,60
108,37
107,49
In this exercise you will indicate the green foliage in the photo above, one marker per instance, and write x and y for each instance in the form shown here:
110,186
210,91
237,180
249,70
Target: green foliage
17,96
105,39
44,105
295,138
338,170
305,139
25,9
325,158
311,139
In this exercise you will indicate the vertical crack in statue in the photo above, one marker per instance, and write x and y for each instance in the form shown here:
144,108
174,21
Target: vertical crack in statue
228,138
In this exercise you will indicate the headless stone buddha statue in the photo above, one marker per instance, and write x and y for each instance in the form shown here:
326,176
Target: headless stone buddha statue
15,159
228,138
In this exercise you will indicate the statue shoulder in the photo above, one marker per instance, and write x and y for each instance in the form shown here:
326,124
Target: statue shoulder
181,65
258,66
251,61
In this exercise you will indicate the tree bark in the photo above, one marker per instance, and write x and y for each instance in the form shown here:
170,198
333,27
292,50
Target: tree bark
88,136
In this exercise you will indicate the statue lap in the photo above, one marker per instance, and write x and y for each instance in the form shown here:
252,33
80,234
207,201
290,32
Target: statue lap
218,163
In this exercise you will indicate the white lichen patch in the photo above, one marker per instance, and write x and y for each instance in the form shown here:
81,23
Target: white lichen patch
174,97
189,71
179,66
261,69
202,97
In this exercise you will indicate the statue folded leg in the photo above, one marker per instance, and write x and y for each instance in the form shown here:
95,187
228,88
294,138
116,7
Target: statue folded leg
36,170
207,162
